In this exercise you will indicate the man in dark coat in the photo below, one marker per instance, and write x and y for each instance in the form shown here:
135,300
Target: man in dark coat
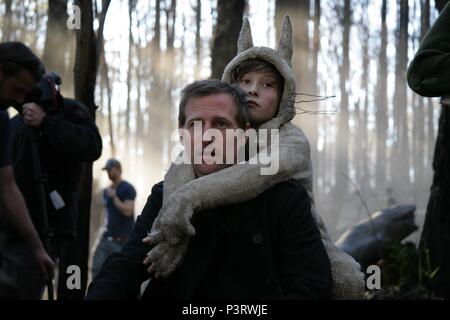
20,70
267,247
67,136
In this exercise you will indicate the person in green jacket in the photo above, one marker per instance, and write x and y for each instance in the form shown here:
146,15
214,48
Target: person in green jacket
429,75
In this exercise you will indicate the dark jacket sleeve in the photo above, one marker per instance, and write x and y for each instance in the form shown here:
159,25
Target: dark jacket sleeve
429,71
305,271
73,133
122,273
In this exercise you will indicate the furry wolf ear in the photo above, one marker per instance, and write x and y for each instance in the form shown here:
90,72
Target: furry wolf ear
285,44
245,40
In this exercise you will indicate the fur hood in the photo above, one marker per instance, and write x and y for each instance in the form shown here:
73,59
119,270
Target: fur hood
280,59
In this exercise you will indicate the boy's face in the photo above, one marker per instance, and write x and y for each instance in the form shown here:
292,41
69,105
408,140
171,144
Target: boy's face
263,94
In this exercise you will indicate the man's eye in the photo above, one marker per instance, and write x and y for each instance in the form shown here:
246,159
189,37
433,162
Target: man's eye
222,124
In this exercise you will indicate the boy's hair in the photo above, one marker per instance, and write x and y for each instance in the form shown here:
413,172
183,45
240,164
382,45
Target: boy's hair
15,57
205,88
257,65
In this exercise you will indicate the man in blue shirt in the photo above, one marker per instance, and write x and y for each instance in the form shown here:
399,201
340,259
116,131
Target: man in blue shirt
119,203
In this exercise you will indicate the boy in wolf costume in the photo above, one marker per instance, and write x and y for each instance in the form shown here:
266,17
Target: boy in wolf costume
184,194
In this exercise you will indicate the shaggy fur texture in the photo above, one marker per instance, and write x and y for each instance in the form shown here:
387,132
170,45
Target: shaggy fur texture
184,195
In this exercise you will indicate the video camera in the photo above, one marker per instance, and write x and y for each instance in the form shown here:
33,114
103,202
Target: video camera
47,93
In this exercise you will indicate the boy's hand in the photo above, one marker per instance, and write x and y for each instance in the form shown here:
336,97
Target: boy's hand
163,258
169,237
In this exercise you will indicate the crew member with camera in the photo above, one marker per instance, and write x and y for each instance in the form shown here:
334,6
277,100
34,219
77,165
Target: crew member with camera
51,137
19,72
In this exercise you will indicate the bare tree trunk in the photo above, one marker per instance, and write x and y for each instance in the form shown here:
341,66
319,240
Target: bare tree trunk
419,127
357,144
364,155
341,187
381,100
170,79
131,7
157,38
7,22
198,44
226,32
315,84
155,111
105,76
298,10
400,154
56,38
86,65
37,23
170,23
139,72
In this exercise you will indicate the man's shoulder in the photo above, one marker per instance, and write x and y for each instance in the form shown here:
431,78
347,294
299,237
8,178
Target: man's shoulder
156,192
73,108
127,184
154,200
288,188
158,188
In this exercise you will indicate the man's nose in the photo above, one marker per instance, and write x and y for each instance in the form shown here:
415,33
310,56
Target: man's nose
208,137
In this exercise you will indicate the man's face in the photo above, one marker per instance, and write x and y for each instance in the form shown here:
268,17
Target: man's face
113,173
216,111
263,94
13,90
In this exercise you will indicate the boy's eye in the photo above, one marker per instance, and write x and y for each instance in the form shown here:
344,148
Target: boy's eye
245,81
